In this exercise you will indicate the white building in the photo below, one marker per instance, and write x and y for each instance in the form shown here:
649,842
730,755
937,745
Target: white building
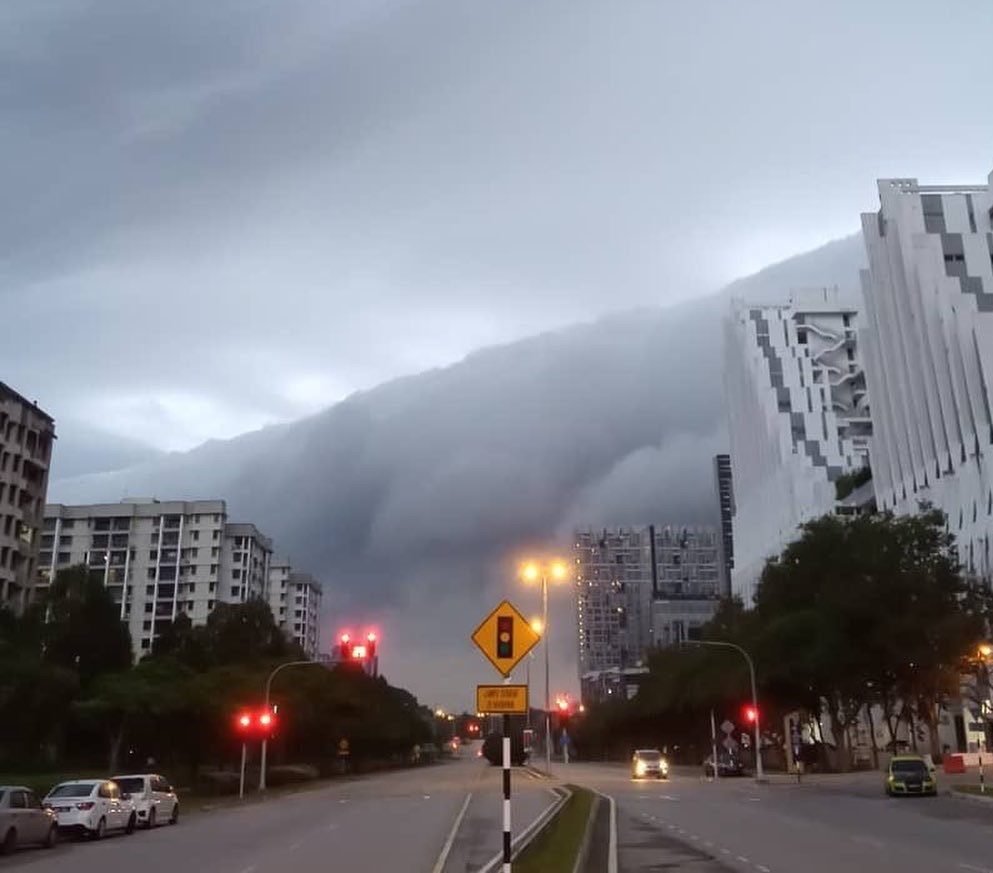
928,340
157,559
295,600
798,419
26,437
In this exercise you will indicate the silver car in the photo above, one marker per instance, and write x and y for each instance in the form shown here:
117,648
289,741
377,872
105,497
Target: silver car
24,821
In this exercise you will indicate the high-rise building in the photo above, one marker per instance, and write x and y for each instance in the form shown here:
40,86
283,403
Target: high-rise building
613,597
26,436
725,514
928,340
798,418
686,582
295,600
158,559
641,587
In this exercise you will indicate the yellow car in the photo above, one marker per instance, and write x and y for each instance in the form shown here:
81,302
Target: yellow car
910,774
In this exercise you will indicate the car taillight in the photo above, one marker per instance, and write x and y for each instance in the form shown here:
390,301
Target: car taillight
89,804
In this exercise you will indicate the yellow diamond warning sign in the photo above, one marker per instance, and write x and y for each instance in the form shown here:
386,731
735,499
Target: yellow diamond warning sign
505,637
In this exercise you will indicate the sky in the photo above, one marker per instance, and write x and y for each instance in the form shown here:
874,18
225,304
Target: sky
224,215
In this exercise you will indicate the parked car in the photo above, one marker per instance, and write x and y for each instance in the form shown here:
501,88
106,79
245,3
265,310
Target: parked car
155,800
910,774
24,821
727,766
649,762
92,807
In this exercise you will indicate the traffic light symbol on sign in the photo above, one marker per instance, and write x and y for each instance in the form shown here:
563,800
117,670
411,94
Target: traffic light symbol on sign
505,637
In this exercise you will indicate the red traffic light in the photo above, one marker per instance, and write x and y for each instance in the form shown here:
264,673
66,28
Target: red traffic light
345,638
751,714
371,637
244,722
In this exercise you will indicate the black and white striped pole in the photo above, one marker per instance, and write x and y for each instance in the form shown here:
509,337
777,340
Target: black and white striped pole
506,794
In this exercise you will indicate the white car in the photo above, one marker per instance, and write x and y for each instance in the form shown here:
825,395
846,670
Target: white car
92,807
155,801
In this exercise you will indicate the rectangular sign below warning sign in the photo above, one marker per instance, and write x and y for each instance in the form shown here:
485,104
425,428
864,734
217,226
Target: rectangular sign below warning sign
502,699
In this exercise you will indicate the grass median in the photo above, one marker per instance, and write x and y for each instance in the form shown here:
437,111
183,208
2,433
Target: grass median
556,848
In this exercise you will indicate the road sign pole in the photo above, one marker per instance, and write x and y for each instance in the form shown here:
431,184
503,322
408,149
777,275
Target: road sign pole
241,785
713,743
506,794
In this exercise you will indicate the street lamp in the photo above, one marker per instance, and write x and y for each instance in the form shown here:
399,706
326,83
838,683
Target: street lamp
266,708
759,775
538,628
533,572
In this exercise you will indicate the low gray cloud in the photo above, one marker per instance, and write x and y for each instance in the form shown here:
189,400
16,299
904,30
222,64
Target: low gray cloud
230,214
415,502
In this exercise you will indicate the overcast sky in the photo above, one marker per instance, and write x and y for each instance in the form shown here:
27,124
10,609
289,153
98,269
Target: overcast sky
218,215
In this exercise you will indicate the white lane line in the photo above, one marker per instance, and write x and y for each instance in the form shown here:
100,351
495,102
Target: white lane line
725,851
296,845
447,847
974,868
762,868
668,797
709,844
249,869
743,859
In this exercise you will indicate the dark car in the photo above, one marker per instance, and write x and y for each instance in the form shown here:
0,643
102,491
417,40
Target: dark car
727,766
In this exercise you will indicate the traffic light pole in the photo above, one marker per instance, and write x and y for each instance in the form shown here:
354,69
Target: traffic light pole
241,784
506,794
759,774
265,740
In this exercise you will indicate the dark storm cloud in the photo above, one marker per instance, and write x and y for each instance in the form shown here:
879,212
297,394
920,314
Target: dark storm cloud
263,206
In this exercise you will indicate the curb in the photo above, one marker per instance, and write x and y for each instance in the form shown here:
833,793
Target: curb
525,838
973,798
584,846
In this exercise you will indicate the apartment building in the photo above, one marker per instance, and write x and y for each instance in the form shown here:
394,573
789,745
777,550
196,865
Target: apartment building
641,587
26,437
798,419
686,582
613,597
245,558
928,340
158,559
295,600
725,513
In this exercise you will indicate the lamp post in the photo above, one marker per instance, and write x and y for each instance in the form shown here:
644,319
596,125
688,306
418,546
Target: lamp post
539,629
759,775
265,708
533,572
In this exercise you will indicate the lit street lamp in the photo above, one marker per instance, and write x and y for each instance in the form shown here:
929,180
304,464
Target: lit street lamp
533,572
759,775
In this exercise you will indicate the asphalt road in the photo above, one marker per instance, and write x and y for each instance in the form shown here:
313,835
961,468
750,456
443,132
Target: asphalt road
398,821
819,827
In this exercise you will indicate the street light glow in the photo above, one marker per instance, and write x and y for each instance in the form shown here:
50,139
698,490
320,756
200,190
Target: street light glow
530,571
559,570
537,626
985,649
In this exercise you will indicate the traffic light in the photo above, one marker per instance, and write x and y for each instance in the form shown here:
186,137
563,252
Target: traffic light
750,713
243,723
267,723
345,644
505,636
370,639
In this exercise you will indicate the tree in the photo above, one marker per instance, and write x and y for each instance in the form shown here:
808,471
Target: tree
84,632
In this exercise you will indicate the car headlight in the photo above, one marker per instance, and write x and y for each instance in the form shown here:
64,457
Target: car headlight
665,766
640,768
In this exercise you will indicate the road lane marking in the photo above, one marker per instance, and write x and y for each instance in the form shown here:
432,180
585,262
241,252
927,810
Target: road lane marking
974,868
743,859
447,847
709,844
667,797
296,845
868,841
725,851
249,869
762,868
